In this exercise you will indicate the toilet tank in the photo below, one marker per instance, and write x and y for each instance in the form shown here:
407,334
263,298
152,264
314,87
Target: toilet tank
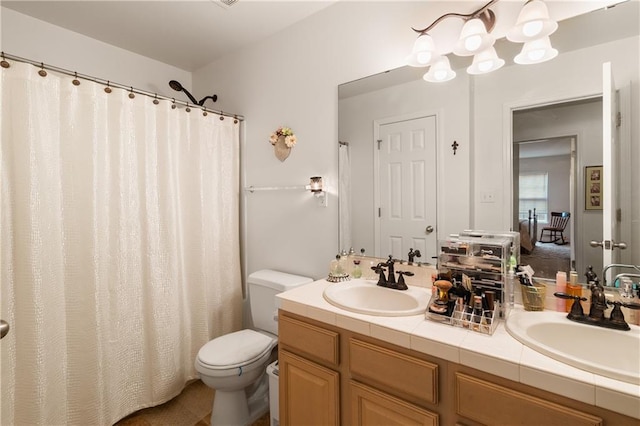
263,287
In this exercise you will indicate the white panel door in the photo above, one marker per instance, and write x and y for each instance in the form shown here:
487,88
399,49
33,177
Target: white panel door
407,189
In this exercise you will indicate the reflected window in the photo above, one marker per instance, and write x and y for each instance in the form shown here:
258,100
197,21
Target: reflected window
534,194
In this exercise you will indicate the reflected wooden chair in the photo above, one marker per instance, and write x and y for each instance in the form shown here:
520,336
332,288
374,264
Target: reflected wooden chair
555,229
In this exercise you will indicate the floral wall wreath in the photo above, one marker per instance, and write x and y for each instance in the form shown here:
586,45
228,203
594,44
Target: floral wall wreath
283,140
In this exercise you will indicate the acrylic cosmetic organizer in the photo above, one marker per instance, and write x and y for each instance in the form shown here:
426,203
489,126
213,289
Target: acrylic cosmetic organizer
484,260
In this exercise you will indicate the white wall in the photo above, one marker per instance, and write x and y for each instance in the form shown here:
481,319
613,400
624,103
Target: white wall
40,41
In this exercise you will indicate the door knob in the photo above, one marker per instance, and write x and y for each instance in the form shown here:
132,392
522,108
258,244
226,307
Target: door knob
428,230
608,244
4,328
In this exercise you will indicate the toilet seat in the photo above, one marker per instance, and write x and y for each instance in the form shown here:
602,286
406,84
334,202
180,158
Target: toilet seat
234,353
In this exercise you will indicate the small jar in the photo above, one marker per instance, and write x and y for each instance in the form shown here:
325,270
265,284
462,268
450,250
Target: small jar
357,272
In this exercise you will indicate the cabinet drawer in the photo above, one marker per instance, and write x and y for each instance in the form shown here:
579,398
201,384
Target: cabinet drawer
491,404
372,407
318,343
393,371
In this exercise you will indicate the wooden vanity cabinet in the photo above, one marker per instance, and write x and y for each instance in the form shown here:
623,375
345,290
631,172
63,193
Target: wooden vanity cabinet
333,376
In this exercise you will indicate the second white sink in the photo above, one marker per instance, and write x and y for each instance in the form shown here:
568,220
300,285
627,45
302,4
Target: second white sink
610,353
365,297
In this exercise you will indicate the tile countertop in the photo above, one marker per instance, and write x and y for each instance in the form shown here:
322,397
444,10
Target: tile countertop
498,354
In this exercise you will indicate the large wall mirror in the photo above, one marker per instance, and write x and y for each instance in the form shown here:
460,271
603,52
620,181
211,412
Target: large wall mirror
428,197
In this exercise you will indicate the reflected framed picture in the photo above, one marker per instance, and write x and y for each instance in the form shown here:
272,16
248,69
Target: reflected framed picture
593,188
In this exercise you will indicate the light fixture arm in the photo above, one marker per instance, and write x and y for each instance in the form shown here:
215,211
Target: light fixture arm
484,14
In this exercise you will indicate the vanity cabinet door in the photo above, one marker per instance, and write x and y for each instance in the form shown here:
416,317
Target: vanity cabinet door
309,393
372,407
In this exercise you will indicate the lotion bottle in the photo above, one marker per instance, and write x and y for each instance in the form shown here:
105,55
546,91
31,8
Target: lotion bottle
573,288
509,296
561,287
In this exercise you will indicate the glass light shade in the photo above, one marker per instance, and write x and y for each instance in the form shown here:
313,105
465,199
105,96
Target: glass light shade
535,52
533,23
440,71
485,61
423,53
315,184
473,38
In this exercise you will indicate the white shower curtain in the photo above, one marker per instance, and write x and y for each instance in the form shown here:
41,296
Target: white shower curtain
344,172
120,247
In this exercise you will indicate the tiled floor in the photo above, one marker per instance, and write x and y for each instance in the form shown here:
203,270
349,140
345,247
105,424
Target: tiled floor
191,408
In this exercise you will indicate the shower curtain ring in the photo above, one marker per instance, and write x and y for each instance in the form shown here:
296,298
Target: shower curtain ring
204,113
108,88
235,119
131,94
173,104
75,81
42,72
221,115
155,99
4,63
187,108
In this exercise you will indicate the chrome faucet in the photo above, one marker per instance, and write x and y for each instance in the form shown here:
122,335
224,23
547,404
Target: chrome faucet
616,265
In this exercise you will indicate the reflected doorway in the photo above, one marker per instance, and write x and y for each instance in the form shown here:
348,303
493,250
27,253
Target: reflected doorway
545,186
580,120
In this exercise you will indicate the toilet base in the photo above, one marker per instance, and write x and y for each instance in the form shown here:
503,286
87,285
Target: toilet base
235,408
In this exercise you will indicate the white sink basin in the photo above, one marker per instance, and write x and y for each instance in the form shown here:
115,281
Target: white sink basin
365,297
611,353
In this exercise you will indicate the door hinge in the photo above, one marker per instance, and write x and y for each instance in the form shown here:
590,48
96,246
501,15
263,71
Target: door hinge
619,215
618,119
379,143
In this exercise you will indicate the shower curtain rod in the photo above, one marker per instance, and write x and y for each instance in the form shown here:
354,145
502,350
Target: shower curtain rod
110,83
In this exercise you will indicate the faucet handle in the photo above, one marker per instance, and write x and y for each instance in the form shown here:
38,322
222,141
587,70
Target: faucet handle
617,317
576,308
379,269
400,285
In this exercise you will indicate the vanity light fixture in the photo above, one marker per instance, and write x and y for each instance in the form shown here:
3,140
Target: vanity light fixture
532,28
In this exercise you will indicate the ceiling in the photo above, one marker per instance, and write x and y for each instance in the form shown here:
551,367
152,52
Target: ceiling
185,34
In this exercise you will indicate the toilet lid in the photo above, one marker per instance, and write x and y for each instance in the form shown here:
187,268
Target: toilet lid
235,349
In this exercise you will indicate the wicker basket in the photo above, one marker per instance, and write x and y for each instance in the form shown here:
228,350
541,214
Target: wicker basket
533,297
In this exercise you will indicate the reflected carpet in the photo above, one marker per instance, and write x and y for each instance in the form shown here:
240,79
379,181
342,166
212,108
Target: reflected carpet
547,259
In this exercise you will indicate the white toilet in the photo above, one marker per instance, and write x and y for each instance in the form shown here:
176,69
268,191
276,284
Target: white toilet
235,364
